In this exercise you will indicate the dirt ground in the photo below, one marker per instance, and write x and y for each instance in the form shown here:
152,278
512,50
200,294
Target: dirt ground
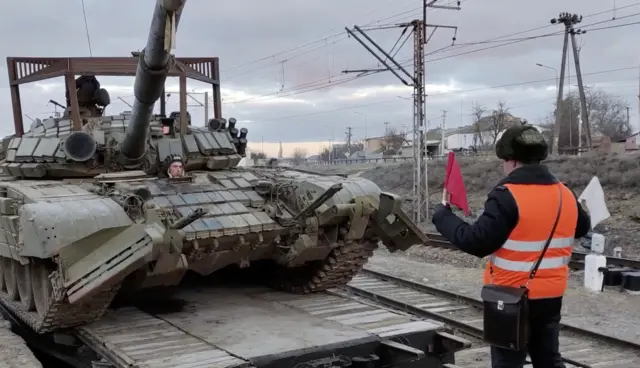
618,174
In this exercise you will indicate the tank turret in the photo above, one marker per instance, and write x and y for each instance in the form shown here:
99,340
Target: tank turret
154,62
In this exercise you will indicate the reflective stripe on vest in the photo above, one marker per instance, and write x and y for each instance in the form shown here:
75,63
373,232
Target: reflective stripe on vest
537,210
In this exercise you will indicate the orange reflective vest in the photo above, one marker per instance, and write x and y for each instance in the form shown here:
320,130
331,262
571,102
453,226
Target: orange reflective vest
537,211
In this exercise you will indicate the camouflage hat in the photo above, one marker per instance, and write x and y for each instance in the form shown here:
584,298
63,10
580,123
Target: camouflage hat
523,143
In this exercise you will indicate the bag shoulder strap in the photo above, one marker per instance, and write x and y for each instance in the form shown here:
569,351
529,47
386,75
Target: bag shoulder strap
553,230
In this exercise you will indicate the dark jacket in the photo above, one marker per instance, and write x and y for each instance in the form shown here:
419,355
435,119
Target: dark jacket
500,216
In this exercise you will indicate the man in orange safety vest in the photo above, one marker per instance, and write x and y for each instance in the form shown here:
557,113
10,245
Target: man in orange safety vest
518,216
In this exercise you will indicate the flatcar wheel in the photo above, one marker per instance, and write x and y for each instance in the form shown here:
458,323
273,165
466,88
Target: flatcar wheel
42,288
25,291
2,287
9,270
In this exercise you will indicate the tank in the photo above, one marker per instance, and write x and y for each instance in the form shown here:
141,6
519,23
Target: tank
89,210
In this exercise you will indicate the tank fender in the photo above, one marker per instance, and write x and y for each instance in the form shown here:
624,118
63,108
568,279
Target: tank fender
104,259
394,227
47,227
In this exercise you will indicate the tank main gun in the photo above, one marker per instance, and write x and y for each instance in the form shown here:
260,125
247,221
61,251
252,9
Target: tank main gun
154,63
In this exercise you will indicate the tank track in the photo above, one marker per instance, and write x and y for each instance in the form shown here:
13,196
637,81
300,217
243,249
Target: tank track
342,264
61,314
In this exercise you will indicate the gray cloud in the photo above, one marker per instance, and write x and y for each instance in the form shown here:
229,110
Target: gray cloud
245,31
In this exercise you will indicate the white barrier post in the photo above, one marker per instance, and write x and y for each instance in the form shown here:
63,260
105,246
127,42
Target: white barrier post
593,277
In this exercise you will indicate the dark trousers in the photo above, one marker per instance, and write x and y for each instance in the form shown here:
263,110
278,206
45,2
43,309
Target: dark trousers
543,347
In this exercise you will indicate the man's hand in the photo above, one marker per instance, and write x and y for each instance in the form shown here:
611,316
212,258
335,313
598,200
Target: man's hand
446,197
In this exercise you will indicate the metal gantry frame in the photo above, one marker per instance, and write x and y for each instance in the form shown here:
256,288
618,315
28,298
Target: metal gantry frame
32,69
420,188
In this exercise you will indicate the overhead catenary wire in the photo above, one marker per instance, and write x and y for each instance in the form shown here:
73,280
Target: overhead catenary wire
514,41
315,42
333,82
318,84
343,37
330,81
86,28
441,94
320,44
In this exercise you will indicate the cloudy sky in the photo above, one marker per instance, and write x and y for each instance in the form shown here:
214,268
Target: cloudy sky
282,61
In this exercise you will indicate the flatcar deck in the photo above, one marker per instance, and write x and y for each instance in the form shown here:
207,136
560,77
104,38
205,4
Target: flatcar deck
259,327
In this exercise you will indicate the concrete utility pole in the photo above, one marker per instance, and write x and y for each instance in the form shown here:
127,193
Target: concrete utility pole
348,132
559,104
415,80
444,122
569,21
365,130
586,128
638,97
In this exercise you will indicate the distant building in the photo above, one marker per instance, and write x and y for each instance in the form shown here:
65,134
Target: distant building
631,142
479,134
314,159
433,147
373,144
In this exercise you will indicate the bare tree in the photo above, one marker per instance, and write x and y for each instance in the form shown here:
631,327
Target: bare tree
325,155
477,112
299,155
607,116
498,121
392,142
546,124
340,151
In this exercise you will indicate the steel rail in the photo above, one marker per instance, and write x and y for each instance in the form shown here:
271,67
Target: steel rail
577,257
471,301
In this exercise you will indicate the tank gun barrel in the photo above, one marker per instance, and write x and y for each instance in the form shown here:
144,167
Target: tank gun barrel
154,63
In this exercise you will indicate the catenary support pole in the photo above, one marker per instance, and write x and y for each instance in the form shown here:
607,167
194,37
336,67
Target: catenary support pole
420,188
421,183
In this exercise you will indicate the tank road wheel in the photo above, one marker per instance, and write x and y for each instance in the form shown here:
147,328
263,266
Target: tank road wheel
25,290
9,270
42,288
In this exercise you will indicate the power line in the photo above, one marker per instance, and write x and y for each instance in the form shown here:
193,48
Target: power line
408,61
322,39
86,28
447,93
331,81
339,36
321,84
342,37
441,94
468,44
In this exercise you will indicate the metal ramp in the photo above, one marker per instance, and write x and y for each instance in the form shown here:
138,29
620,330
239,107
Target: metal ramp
240,328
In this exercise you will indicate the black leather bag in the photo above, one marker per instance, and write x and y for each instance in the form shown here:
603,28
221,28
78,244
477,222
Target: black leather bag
506,308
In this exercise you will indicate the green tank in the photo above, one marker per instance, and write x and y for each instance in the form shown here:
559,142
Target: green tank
89,211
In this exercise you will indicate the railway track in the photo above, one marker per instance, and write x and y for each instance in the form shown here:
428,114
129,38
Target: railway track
577,258
580,348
